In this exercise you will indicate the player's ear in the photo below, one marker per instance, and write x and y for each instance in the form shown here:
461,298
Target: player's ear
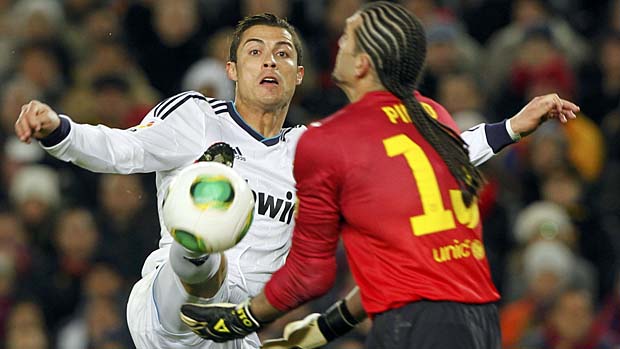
300,74
363,65
231,70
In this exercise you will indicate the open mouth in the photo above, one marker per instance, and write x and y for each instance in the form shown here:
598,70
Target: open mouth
269,81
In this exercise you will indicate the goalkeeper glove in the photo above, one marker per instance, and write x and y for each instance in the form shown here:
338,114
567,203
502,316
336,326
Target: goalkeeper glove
220,322
315,330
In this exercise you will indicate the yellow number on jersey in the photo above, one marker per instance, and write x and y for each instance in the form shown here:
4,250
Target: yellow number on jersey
436,217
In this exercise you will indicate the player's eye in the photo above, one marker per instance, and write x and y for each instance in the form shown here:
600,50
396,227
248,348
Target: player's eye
282,54
254,52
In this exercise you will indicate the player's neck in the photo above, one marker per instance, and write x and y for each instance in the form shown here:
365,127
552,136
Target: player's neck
357,89
266,122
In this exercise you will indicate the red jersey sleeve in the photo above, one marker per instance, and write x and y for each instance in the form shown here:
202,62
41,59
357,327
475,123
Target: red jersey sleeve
310,268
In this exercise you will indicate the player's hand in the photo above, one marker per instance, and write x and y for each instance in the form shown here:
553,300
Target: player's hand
36,120
316,330
220,322
539,110
301,334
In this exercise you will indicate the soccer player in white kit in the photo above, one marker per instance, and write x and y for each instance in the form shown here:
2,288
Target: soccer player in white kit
265,63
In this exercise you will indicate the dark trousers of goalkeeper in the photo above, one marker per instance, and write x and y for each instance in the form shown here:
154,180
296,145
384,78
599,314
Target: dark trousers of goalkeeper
436,325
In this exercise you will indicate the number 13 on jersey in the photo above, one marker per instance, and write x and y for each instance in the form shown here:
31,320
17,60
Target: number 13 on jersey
436,218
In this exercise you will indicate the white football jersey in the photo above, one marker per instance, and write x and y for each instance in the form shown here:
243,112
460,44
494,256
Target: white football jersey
176,133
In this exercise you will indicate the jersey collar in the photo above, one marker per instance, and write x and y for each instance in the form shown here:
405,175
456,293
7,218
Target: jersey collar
234,114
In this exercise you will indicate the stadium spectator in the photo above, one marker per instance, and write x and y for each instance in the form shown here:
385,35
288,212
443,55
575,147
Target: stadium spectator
115,105
26,327
599,83
99,320
35,195
165,51
546,221
548,269
503,45
208,75
463,98
568,324
127,237
75,250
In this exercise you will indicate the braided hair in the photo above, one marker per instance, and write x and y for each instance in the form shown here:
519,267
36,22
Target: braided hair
396,43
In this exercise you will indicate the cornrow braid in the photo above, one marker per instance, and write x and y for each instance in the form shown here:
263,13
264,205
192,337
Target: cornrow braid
396,43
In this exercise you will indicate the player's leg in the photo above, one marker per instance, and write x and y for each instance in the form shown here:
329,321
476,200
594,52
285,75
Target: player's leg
153,306
201,274
187,277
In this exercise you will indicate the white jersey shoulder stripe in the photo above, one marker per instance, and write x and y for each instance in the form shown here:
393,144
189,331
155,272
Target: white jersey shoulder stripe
167,106
165,103
179,103
219,106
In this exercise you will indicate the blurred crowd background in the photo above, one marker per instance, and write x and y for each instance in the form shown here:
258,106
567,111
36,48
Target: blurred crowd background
72,243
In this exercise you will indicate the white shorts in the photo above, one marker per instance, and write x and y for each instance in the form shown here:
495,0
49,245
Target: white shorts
143,314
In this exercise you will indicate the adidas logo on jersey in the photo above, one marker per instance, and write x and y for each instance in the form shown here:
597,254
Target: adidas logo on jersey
238,155
273,207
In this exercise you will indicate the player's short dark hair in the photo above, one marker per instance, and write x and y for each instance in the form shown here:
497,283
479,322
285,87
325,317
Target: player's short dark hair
267,19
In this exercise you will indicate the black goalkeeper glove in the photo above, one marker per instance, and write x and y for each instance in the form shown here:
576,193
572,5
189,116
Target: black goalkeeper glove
315,330
220,322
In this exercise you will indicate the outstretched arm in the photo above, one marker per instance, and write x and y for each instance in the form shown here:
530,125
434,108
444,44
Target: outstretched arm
486,140
169,136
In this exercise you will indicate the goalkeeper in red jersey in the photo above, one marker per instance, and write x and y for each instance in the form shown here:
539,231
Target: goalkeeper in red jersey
398,186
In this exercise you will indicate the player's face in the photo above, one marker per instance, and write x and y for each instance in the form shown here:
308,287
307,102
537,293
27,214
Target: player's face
344,69
266,70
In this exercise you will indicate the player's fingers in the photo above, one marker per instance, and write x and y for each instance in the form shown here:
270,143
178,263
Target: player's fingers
569,114
22,129
562,118
546,104
42,115
27,114
568,105
558,103
33,115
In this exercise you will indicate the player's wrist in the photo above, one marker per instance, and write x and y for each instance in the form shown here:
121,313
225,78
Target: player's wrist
336,321
515,135
57,134
246,318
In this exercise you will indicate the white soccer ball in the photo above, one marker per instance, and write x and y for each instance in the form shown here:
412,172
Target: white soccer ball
208,207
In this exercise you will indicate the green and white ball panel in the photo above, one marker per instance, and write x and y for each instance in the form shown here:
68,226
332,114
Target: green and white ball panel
212,192
208,207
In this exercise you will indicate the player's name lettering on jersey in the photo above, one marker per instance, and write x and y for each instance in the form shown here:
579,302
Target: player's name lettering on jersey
458,250
273,207
398,113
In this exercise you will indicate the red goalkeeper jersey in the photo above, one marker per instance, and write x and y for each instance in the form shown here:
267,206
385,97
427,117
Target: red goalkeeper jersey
368,175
